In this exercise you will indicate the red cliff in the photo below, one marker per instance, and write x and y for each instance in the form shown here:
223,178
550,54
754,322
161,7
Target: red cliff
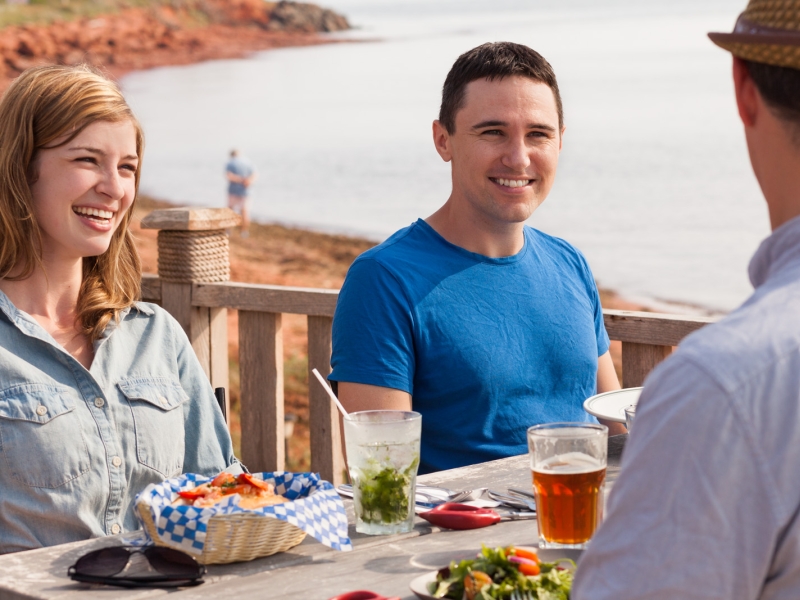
140,38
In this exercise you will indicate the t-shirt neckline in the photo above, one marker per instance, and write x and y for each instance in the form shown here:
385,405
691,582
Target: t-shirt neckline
504,260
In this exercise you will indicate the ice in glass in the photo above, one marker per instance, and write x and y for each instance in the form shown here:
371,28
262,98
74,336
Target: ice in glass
382,459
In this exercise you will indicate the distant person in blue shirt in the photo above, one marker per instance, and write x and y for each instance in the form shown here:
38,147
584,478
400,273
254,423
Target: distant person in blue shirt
241,175
483,325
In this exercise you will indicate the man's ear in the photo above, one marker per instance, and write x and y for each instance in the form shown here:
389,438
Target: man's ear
561,138
441,139
747,96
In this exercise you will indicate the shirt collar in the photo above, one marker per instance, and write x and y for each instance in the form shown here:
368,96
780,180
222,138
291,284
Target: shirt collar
23,321
780,251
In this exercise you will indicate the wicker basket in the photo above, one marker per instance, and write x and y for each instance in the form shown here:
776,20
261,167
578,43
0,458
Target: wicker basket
235,537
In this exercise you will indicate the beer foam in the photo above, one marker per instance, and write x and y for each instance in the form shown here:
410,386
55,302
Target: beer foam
571,462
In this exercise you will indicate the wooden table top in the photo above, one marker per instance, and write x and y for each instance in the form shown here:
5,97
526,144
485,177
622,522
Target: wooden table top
383,564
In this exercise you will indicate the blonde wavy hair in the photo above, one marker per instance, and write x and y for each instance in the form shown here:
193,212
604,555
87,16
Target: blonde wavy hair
42,105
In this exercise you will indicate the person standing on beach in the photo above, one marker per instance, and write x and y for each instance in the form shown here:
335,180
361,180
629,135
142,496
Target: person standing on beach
241,175
707,503
483,325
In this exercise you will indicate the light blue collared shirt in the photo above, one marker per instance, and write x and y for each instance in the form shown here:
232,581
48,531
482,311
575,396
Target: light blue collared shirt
707,504
77,445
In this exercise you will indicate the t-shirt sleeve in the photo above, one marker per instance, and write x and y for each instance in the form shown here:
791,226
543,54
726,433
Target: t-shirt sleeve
603,343
690,515
373,330
601,334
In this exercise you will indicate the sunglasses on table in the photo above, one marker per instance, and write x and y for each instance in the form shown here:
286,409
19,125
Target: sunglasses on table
175,568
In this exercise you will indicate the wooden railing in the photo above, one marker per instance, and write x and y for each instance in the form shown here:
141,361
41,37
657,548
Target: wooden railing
201,308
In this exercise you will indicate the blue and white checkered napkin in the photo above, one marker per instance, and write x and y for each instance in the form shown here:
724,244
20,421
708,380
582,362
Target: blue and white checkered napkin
314,506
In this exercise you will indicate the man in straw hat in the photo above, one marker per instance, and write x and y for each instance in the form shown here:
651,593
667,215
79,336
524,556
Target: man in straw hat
708,501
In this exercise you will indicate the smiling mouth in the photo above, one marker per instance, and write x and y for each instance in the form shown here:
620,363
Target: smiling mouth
93,214
511,183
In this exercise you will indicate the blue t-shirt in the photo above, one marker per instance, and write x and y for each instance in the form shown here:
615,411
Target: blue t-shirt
486,347
240,166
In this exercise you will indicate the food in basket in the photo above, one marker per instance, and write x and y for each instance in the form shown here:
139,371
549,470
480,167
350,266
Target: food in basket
253,493
498,573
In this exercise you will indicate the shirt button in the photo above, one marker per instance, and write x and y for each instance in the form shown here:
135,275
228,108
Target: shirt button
99,402
41,410
163,400
116,461
115,529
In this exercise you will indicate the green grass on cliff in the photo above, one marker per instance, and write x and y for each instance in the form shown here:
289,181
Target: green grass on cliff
42,12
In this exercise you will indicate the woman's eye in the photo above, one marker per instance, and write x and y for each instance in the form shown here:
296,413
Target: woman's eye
131,168
89,159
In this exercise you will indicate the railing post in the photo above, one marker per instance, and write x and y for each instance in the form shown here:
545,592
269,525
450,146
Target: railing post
193,248
638,360
326,441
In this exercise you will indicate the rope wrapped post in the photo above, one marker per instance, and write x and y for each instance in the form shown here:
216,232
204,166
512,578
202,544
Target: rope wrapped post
193,248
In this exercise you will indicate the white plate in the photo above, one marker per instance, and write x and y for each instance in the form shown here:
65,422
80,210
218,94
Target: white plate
611,405
420,585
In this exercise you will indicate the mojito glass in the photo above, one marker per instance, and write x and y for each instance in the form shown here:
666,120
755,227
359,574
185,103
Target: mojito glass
382,458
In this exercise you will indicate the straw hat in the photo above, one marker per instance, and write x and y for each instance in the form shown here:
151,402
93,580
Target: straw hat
768,31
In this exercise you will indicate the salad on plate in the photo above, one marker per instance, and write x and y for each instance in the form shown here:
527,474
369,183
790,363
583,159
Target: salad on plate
495,574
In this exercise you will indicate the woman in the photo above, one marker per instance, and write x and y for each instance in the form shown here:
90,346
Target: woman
100,395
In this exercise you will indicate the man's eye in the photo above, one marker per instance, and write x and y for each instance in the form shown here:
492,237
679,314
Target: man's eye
493,132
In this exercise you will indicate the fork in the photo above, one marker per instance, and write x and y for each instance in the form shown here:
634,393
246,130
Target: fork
466,495
513,501
455,496
515,595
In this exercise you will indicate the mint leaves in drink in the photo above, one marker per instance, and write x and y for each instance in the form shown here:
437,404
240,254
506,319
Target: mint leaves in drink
386,494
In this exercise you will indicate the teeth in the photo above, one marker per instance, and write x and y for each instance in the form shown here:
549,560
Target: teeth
93,212
513,182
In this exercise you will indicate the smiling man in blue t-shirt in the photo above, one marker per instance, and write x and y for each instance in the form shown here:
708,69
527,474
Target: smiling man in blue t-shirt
483,325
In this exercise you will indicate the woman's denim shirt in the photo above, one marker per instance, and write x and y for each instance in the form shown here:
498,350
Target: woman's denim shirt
76,446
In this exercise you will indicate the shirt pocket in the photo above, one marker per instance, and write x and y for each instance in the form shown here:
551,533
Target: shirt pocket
41,436
158,421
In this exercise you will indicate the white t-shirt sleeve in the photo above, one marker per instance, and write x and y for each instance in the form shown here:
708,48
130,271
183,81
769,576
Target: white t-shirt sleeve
692,514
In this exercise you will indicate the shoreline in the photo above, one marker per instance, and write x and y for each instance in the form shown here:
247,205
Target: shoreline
140,38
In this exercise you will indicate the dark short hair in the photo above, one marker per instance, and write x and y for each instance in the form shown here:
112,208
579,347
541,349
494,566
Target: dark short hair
492,61
780,89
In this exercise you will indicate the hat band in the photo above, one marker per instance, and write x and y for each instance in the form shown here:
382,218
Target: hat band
770,35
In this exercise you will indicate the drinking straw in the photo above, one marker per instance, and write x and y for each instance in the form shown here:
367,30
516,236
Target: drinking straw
328,389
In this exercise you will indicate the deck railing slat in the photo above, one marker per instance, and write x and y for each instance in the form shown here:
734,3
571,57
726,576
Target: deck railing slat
651,328
261,380
638,360
271,298
326,444
218,353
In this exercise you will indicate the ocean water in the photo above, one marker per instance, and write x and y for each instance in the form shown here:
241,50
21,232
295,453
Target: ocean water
654,182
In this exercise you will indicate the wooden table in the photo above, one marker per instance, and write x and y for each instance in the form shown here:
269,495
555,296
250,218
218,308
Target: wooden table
384,564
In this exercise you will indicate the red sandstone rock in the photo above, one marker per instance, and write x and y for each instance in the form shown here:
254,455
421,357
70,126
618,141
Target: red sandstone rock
139,38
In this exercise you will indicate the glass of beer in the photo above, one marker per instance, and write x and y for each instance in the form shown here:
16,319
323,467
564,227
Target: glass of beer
568,461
